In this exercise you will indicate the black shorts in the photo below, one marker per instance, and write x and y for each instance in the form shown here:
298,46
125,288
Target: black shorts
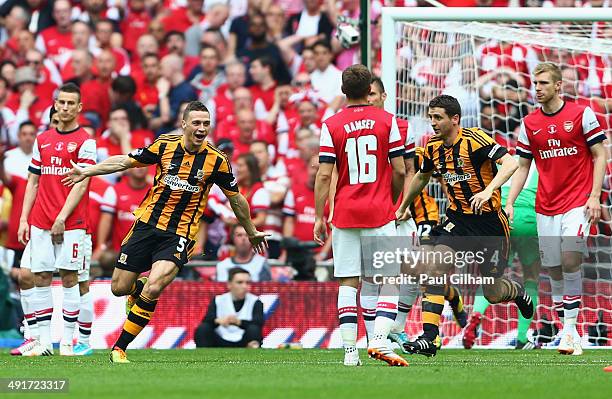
424,229
493,238
145,245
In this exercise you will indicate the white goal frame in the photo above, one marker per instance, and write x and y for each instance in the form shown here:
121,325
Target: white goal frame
390,15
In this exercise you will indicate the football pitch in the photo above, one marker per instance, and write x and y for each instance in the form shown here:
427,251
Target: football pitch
250,374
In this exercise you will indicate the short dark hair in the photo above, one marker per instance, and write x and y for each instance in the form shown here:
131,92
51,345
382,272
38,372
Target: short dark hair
70,88
194,106
174,33
356,81
448,103
266,61
52,111
235,270
324,43
124,85
27,123
149,55
378,82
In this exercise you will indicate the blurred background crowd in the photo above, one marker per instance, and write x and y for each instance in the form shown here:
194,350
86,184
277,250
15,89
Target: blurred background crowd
269,72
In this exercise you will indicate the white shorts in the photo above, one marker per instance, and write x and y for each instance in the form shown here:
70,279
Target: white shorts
84,270
346,246
26,261
46,257
561,233
407,228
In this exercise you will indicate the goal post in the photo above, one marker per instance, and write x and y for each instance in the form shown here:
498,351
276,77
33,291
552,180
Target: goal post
457,51
391,15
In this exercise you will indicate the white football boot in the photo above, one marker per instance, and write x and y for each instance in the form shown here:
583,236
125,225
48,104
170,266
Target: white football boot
351,356
39,349
66,349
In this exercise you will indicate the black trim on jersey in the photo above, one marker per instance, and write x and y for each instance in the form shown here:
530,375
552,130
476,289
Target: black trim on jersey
396,153
443,170
464,184
67,131
477,168
556,112
358,105
409,154
523,154
177,160
597,138
179,209
34,171
326,159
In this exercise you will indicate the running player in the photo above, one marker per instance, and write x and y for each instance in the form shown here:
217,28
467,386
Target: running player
167,221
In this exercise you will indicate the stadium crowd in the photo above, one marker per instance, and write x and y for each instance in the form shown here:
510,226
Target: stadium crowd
269,71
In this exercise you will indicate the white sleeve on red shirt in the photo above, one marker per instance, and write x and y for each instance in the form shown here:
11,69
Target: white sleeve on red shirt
396,147
260,200
35,163
289,204
410,146
590,127
109,201
523,147
327,152
261,113
40,44
87,153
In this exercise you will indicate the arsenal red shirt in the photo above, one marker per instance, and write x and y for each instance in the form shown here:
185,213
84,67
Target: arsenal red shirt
361,140
559,144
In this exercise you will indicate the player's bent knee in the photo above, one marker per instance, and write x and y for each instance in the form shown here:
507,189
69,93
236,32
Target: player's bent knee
492,293
83,287
571,261
25,279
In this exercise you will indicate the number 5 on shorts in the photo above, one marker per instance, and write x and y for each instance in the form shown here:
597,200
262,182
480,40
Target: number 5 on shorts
181,245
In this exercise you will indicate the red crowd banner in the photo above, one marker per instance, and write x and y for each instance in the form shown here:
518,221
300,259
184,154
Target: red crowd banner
295,312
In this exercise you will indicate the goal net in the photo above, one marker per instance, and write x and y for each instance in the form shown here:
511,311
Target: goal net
487,66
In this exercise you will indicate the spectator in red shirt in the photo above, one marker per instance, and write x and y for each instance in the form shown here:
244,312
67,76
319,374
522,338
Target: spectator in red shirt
299,210
56,40
146,92
222,105
26,96
242,99
182,19
175,44
96,92
135,24
117,218
208,78
250,185
264,86
276,182
104,33
296,163
46,72
146,44
247,130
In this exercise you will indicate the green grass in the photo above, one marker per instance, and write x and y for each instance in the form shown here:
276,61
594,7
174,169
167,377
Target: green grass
250,374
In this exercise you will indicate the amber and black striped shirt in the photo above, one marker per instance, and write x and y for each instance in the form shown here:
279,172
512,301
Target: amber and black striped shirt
183,180
467,167
424,207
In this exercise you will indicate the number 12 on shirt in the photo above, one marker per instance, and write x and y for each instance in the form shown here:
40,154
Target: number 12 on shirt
361,164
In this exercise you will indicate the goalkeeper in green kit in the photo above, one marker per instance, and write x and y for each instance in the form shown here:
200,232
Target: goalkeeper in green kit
524,243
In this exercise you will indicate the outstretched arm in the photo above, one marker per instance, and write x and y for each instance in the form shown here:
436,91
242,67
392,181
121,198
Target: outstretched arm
117,163
240,206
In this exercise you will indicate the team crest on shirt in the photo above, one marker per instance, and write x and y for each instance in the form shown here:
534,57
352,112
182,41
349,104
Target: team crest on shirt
460,162
59,146
568,126
71,146
200,174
